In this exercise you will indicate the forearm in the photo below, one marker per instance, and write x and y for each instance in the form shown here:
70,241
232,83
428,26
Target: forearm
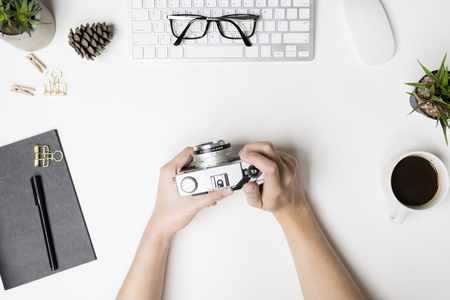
320,272
146,275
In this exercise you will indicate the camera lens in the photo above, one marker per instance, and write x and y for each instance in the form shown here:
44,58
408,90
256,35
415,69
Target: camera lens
212,153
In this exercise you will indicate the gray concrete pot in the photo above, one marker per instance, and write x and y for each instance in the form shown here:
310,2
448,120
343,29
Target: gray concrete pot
41,35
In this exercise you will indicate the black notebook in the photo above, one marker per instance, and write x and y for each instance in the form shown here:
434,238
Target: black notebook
23,253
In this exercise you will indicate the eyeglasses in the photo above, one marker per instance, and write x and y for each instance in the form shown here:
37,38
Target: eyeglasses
237,26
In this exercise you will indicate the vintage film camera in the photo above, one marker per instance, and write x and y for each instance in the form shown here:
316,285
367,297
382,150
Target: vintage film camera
215,168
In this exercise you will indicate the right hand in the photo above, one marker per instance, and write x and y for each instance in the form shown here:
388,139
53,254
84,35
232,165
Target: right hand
282,191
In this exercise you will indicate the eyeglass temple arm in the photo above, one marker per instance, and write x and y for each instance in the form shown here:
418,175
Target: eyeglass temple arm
180,38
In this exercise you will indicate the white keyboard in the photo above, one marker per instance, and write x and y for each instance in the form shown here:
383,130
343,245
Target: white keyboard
284,31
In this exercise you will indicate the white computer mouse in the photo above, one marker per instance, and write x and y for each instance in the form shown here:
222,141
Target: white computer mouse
370,29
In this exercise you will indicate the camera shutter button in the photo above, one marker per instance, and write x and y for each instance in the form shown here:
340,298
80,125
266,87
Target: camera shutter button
189,185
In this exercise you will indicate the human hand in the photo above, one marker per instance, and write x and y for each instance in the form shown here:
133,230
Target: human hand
174,212
282,191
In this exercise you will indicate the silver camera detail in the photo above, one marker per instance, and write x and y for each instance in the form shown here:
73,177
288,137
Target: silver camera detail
215,168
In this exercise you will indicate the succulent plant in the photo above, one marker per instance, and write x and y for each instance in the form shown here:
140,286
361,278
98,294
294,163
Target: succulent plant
19,14
5,17
433,95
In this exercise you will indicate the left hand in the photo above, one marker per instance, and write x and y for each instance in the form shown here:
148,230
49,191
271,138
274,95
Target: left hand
174,212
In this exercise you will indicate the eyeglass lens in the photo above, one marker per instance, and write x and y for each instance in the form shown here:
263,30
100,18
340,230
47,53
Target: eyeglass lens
198,28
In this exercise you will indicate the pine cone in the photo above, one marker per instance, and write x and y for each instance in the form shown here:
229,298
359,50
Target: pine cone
88,41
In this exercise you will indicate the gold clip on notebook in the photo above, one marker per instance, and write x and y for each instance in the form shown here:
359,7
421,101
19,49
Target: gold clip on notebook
43,156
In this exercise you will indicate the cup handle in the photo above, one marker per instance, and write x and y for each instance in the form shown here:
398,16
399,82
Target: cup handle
398,215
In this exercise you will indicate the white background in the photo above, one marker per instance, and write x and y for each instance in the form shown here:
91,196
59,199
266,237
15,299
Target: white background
341,119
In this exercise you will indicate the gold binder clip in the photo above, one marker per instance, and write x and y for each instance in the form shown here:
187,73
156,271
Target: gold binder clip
54,87
43,156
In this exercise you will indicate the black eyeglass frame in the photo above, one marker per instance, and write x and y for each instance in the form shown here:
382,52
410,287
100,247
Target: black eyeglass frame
217,20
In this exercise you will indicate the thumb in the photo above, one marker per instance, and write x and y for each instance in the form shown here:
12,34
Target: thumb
214,196
253,194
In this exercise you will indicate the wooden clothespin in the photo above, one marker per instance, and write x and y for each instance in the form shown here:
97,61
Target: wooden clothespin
22,90
35,62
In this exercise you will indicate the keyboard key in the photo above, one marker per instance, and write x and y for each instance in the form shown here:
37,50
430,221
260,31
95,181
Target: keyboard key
265,51
138,52
291,13
176,52
142,27
248,3
165,39
296,38
261,3
214,52
279,13
149,3
211,3
150,52
291,54
139,15
223,3
174,3
199,3
285,3
136,3
214,38
282,25
291,48
303,54
159,27
161,3
263,38
273,3
236,3
299,3
304,13
252,51
299,25
266,13
155,15
162,52
278,54
276,38
186,3
270,26
148,39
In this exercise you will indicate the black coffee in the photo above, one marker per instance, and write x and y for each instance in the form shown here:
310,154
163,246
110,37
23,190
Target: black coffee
414,181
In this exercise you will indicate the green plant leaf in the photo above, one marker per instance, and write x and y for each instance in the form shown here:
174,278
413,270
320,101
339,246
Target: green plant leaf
445,80
441,70
417,96
429,74
419,85
417,107
432,90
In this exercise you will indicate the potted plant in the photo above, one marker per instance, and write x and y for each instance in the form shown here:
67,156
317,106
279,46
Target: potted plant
27,25
431,96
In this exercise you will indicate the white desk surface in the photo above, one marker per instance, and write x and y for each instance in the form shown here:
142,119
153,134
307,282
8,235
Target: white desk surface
340,118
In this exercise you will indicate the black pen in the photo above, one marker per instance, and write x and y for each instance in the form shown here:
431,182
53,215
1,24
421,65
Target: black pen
40,202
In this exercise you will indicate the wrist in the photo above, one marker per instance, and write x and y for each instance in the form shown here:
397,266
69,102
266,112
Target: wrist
158,233
290,216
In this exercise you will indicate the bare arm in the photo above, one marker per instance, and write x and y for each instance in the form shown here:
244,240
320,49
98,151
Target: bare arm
320,272
172,213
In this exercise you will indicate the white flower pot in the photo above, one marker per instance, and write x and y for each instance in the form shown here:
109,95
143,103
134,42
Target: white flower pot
41,35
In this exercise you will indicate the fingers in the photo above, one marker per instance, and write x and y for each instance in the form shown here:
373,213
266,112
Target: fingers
251,190
182,159
267,166
213,197
265,148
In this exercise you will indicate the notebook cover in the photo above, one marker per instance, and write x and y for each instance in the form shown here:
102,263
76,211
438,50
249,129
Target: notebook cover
23,254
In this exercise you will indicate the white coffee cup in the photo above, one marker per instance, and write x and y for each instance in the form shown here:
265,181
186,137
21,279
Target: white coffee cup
398,214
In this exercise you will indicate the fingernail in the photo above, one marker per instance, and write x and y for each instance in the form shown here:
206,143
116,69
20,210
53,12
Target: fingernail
243,154
250,190
227,192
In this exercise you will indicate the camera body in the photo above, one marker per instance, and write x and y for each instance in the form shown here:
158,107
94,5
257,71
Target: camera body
215,168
